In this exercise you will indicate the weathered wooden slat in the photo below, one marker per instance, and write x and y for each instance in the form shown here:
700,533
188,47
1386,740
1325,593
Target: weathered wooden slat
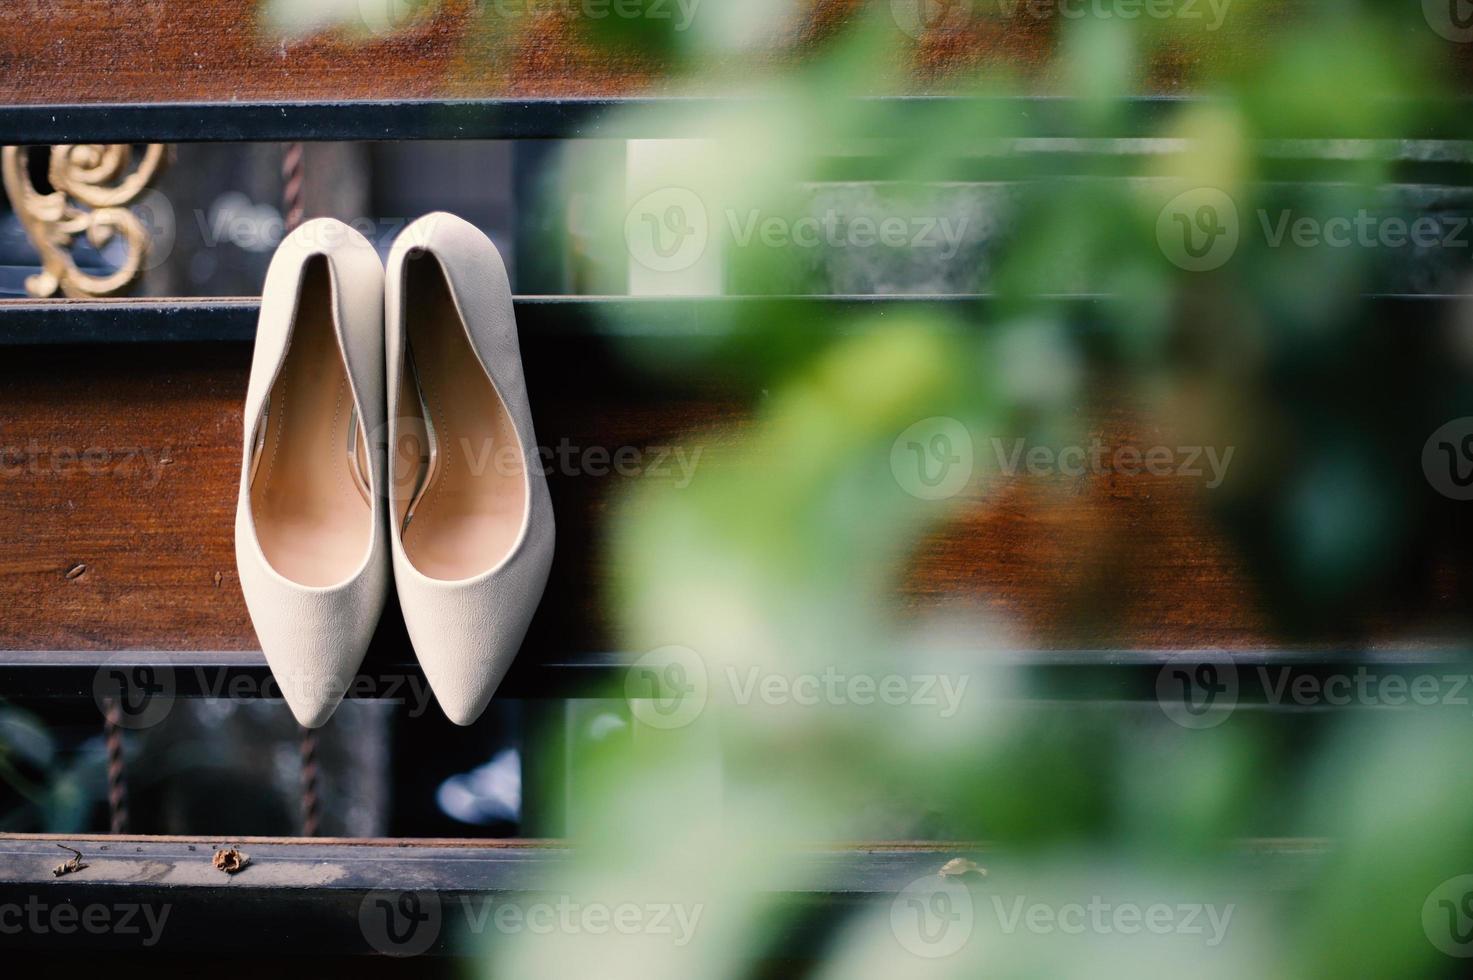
225,50
132,546
335,894
238,51
119,466
331,897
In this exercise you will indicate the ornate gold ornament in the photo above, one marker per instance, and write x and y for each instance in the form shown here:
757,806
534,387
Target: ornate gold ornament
93,184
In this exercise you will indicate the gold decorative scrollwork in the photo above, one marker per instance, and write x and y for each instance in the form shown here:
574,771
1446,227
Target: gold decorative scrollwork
93,184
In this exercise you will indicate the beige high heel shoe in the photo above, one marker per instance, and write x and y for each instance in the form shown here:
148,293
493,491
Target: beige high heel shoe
310,539
471,520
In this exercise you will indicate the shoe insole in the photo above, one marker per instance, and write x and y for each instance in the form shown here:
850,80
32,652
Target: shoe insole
313,518
468,510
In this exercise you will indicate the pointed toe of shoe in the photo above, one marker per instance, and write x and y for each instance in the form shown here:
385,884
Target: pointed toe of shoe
466,635
463,660
463,690
314,639
314,645
314,676
314,705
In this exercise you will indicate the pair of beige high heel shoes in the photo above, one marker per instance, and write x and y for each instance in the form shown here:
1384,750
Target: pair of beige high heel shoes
387,426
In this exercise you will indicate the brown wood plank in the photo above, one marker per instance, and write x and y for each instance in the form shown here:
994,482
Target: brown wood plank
212,50
132,547
107,549
1107,561
221,50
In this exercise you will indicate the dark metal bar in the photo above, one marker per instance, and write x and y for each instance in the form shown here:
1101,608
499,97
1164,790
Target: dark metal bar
471,866
44,322
24,322
627,118
434,898
140,674
47,322
1261,676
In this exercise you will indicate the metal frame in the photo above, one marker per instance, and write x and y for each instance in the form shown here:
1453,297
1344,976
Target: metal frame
319,887
457,119
331,891
129,321
1054,675
25,322
601,118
